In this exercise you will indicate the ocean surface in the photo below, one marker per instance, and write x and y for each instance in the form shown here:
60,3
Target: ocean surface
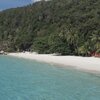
22,79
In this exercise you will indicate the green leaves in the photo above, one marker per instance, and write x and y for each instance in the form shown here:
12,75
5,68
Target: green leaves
56,26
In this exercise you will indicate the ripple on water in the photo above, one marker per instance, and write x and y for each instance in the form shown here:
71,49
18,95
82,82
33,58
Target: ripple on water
30,80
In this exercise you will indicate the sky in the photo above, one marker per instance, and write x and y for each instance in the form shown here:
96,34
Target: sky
6,4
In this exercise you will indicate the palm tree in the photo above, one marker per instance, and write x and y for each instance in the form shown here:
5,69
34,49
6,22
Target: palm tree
71,38
95,39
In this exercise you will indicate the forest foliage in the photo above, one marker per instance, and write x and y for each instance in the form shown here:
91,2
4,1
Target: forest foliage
67,27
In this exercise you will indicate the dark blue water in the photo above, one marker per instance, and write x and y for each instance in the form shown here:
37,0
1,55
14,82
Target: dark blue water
30,80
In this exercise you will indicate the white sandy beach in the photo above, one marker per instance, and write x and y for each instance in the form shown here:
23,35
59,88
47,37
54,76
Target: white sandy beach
83,63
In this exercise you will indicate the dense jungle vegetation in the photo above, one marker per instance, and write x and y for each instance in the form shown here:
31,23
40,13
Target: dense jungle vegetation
67,27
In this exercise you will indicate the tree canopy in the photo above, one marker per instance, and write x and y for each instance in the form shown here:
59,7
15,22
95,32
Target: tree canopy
69,27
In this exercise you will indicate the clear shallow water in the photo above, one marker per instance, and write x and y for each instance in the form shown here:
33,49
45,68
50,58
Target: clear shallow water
29,80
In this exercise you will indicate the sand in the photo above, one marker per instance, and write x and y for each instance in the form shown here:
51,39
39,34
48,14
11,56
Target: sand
82,63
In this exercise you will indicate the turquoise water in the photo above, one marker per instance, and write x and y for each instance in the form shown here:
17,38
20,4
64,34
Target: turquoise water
30,80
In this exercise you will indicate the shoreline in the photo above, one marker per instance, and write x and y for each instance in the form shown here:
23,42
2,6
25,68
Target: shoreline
87,64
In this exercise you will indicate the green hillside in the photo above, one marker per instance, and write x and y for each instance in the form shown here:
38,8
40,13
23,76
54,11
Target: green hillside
68,27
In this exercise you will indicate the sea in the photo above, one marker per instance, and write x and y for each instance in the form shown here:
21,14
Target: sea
22,79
